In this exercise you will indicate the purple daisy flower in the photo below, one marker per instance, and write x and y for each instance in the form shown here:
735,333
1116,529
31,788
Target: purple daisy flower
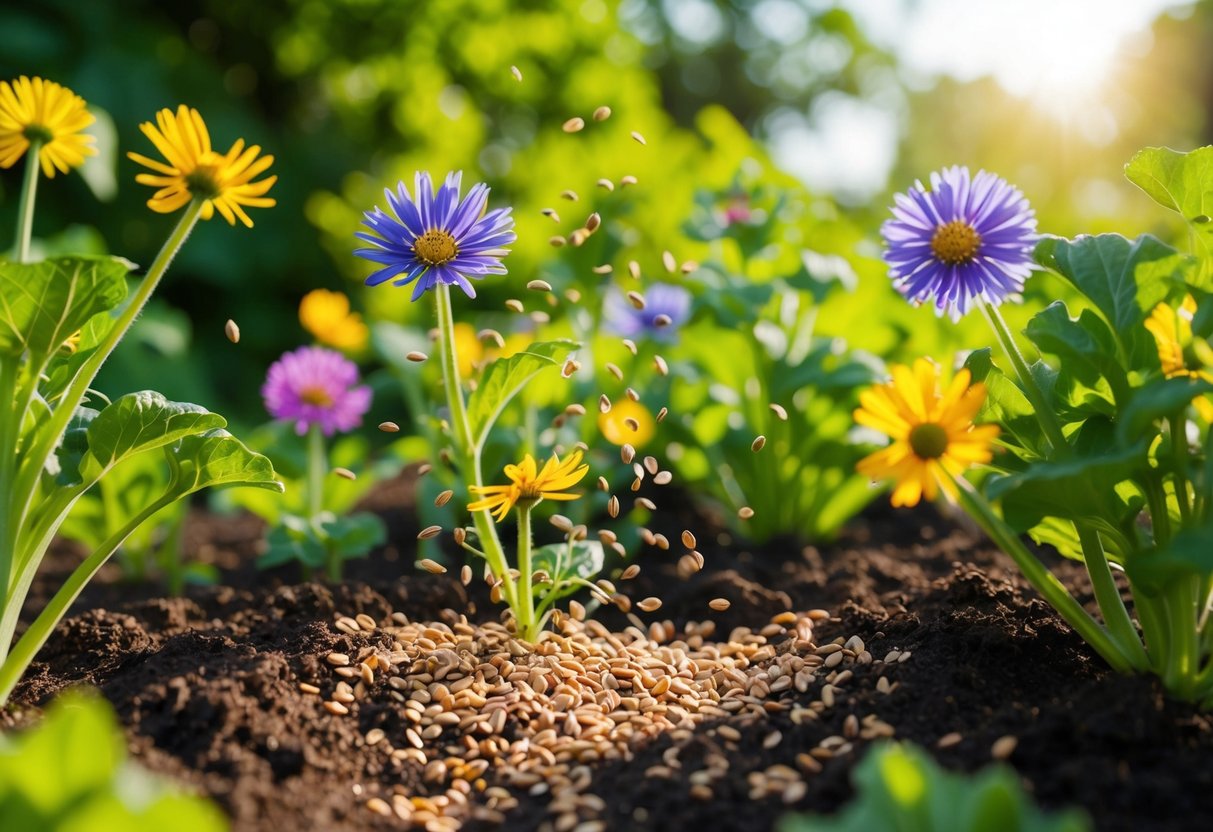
964,239
316,386
666,307
434,237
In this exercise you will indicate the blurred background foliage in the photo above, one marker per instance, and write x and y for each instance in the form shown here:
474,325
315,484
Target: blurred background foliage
807,113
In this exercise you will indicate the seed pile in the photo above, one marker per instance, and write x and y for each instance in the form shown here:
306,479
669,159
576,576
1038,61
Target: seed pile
487,720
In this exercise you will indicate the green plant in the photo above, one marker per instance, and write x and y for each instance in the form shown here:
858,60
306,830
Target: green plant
899,788
70,773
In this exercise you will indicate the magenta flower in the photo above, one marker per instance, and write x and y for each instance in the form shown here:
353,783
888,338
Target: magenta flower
316,386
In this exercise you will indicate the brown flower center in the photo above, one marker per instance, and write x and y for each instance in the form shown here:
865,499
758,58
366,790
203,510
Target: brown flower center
928,441
203,181
435,247
316,395
38,133
955,243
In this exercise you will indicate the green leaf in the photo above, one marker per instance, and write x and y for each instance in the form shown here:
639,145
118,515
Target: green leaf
217,458
1157,400
1189,553
293,540
138,422
505,377
1124,279
1182,182
1086,347
563,562
1005,404
42,304
74,446
356,534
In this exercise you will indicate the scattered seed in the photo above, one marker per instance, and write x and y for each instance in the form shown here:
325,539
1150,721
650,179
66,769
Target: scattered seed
634,270
602,113
604,404
636,299
648,505
661,414
571,196
424,468
561,522
607,184
431,566
578,237
614,370
650,604
516,72
947,740
662,320
539,286
613,506
465,575
575,410
630,344
627,180
337,659
345,473
443,498
428,532
629,573
593,221
603,485
745,512
605,268
232,331
304,687
663,478
758,444
573,125
570,366
667,260
1004,747
336,708
772,739
514,305
389,427
780,412
627,453
416,356
661,366
459,534
639,138
720,604
632,424
688,539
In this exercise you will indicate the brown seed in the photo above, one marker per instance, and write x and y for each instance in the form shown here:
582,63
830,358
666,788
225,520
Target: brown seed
745,512
389,427
443,498
604,404
602,113
758,444
636,299
570,366
605,268
491,335
688,267
663,478
578,237
631,345
661,414
603,485
627,180
667,260
662,320
649,604
516,72
780,412
465,575
627,453
337,659
575,410
345,473
650,464
632,424
416,356
947,740
639,138
459,534
428,532
719,604
515,305
614,370
571,196
607,184
539,286
551,214
573,125
661,366
336,708
232,331
561,522
634,269
1003,747
629,573
613,506
688,539
646,503
304,687
431,566
556,241
593,221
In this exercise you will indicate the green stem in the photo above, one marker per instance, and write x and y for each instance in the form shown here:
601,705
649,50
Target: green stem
1179,452
1044,581
525,611
317,467
25,208
1044,412
10,424
1180,668
49,436
1107,596
28,645
466,449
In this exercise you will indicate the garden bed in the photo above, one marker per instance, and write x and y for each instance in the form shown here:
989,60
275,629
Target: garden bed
208,687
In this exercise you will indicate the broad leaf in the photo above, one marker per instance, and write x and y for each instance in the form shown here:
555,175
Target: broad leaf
1182,182
138,422
505,377
217,458
1159,399
354,535
1005,404
42,304
564,562
1086,347
73,448
1189,553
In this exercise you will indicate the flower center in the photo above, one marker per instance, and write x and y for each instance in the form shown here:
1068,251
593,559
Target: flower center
203,181
435,247
928,441
955,243
316,395
38,133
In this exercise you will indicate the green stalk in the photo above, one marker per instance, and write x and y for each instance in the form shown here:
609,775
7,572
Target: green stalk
525,611
1181,665
317,469
1179,453
10,426
1107,596
1044,581
466,449
25,208
1044,413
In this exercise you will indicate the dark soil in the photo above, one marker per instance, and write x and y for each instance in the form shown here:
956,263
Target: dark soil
206,685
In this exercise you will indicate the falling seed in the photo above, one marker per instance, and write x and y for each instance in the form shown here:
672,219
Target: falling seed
603,485
232,331
444,498
661,366
602,113
551,214
629,573
578,237
719,604
636,299
614,370
631,345
573,125
593,221
667,260
432,566
688,539
428,532
575,410
745,512
651,465
604,404
606,183
627,180
517,73
1003,747
663,478
424,468
491,335
570,367
688,267
662,320
778,410
416,356
539,286
556,241
460,535
613,506
572,295
758,444
389,427
514,305
646,503
605,268
634,269
345,473
651,604
562,523
632,424
638,469
632,394
661,414
571,196
639,138
627,453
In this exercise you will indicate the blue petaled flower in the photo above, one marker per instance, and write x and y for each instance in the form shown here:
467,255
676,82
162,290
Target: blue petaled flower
666,307
966,238
436,238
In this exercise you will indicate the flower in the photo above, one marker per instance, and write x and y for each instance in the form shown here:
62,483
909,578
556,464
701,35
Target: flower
223,181
666,307
1178,352
932,434
37,110
316,386
436,238
529,485
627,422
962,240
327,316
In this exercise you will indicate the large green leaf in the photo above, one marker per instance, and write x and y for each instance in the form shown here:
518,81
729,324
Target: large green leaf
217,458
138,422
1086,347
564,562
1005,404
1124,279
1182,182
42,304
1157,400
505,377
1189,553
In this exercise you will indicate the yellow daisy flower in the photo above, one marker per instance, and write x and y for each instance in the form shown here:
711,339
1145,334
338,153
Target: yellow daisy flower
529,484
224,181
627,422
932,433
328,317
37,110
1180,354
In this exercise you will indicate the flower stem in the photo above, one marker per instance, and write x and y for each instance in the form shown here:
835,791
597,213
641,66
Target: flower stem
466,450
1044,412
25,208
317,463
525,610
1107,596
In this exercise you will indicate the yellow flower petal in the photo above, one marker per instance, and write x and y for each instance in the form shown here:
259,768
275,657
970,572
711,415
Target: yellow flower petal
49,113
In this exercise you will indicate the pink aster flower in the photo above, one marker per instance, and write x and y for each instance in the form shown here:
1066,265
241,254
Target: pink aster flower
316,386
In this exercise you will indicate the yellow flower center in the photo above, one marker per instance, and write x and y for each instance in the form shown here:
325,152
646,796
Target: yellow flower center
955,243
317,396
435,247
38,133
928,441
203,180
